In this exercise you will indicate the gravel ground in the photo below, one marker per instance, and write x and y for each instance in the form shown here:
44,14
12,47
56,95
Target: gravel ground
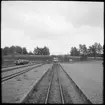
54,94
39,92
14,89
89,78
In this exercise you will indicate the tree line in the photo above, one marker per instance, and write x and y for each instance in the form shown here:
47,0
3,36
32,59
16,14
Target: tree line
94,50
22,50
41,51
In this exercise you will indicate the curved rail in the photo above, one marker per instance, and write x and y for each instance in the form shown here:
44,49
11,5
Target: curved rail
18,73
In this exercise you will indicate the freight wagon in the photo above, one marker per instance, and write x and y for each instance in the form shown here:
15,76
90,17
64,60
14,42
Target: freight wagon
21,62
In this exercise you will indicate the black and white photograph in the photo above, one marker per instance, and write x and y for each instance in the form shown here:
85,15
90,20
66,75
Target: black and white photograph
52,52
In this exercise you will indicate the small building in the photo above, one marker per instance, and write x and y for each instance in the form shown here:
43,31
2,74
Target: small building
55,59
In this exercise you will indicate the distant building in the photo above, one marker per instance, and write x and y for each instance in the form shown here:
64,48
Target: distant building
55,59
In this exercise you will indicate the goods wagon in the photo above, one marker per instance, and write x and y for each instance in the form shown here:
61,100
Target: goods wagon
21,62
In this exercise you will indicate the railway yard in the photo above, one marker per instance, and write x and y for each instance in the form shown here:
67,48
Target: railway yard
54,82
52,52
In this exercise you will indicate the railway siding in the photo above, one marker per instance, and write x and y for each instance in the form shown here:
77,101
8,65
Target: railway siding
16,67
38,93
19,86
16,72
56,87
47,90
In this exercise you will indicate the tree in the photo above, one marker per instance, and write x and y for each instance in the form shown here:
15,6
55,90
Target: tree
2,51
74,51
99,49
30,53
95,50
36,51
6,50
41,51
83,51
103,51
12,49
24,50
46,51
90,51
18,50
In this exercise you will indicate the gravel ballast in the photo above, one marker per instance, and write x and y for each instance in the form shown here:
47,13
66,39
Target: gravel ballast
39,93
54,94
17,70
48,89
14,89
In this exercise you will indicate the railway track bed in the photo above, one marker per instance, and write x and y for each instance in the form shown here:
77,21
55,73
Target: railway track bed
16,88
56,86
16,67
10,75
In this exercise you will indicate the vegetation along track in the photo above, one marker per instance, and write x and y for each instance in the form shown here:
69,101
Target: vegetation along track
5,78
56,86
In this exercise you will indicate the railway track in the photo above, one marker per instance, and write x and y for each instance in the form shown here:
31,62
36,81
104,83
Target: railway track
16,67
54,94
5,66
56,86
5,78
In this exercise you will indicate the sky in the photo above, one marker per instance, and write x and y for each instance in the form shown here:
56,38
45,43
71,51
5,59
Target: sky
59,25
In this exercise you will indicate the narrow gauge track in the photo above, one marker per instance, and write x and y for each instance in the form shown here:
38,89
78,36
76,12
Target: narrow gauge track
17,67
5,66
19,73
54,93
47,88
51,89
9,72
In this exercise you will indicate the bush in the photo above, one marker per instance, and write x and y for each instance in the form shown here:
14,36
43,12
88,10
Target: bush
83,57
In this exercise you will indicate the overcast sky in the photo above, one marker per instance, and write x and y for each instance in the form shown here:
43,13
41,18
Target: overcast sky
59,25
